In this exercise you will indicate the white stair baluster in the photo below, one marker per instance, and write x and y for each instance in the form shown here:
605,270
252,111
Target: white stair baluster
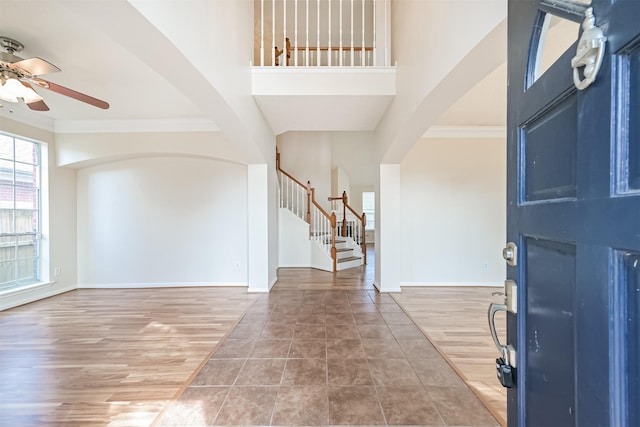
329,53
363,44
340,49
352,47
307,40
273,33
295,42
374,33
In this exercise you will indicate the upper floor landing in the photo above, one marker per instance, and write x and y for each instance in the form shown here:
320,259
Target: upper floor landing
322,64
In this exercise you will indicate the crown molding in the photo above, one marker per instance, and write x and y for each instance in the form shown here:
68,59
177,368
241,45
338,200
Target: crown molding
27,117
465,132
133,126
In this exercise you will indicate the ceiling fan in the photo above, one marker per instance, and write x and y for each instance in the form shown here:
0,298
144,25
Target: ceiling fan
17,76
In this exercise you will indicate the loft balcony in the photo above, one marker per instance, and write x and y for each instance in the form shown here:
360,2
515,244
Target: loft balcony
322,64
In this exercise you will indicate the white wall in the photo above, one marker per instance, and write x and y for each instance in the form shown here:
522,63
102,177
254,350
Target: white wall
355,154
307,157
295,246
453,212
59,236
433,74
162,221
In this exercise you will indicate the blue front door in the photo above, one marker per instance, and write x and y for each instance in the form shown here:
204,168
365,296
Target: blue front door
574,214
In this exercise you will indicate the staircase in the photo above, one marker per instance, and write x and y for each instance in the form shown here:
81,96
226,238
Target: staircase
311,237
347,256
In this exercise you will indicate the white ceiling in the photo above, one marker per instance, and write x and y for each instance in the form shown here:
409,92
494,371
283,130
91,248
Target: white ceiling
92,62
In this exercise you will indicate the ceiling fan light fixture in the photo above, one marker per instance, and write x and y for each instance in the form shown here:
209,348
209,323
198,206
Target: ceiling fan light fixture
12,89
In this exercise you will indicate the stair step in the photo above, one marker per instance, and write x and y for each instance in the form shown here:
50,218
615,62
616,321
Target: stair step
344,250
351,258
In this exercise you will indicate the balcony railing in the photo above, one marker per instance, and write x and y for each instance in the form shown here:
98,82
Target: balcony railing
316,33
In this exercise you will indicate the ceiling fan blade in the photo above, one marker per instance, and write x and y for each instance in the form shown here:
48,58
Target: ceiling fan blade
70,93
35,66
35,105
38,106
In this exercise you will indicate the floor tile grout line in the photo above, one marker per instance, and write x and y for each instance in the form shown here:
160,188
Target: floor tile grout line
202,364
447,359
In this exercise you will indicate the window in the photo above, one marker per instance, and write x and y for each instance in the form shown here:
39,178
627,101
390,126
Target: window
20,219
369,208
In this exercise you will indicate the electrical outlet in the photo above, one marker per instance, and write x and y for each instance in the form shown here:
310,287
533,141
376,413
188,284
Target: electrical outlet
485,265
236,265
57,271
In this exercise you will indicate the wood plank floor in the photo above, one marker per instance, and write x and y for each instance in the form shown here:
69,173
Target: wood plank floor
108,357
118,357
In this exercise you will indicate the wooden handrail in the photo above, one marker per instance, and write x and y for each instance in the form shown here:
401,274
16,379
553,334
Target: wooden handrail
295,49
292,178
279,169
333,48
313,200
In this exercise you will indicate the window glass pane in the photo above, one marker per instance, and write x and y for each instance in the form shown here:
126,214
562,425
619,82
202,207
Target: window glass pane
6,172
6,147
27,255
556,37
26,220
19,211
6,201
7,271
369,208
26,152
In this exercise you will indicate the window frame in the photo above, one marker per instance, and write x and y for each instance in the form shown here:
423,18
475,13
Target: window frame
35,189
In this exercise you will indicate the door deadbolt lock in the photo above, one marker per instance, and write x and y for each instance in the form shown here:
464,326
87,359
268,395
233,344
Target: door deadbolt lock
510,254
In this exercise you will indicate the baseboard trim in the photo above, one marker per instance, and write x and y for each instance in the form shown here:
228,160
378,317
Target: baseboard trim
26,296
160,285
452,284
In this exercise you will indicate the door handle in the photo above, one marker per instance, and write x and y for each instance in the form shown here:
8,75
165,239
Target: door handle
493,309
507,352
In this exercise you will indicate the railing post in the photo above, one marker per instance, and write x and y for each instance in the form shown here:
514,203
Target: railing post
309,202
344,214
334,254
364,237
277,160
313,197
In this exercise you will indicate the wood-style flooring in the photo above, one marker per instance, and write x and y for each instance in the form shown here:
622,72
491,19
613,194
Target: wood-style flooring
120,357
108,357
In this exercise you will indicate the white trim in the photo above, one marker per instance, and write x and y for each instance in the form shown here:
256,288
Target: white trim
24,295
466,132
159,285
386,290
452,284
122,126
273,282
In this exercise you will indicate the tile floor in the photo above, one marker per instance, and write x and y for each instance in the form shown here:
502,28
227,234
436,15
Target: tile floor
313,358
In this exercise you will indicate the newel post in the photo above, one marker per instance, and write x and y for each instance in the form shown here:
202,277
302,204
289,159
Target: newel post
344,214
364,237
334,254
277,160
309,202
